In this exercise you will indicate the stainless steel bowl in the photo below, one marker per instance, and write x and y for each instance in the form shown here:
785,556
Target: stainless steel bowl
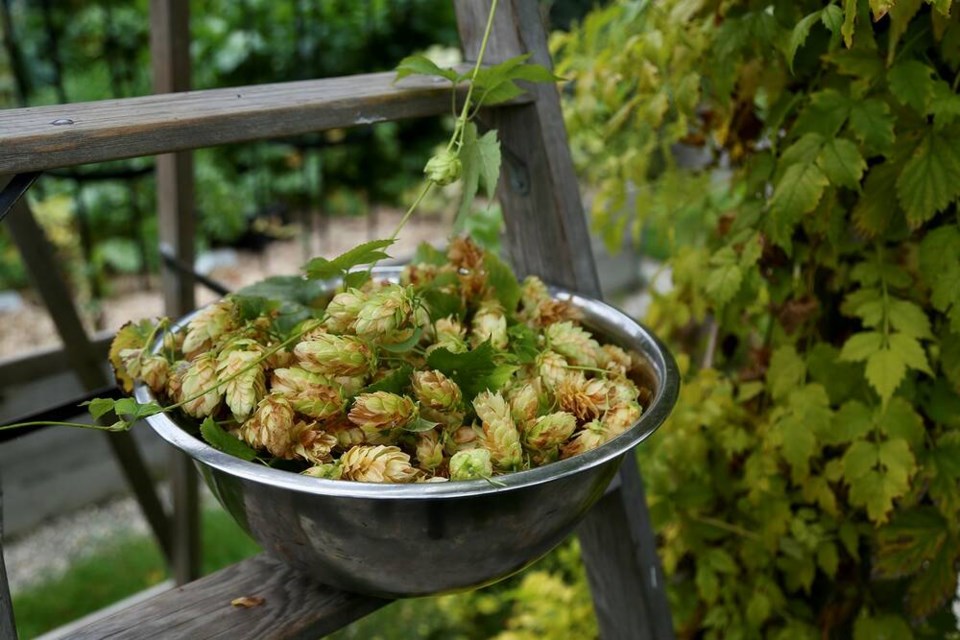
425,539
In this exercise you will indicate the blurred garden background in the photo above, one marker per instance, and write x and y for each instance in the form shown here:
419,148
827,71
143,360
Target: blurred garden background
782,177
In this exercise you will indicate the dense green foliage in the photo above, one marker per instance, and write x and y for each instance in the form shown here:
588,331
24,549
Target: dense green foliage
82,50
807,484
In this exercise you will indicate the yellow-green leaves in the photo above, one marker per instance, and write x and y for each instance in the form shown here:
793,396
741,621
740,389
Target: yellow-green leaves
940,267
841,162
219,439
911,82
363,254
930,179
878,473
480,158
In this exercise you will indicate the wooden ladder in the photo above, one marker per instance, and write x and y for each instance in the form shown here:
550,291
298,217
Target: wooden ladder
546,235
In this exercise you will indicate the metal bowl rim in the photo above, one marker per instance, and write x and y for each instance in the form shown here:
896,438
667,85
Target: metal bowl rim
651,418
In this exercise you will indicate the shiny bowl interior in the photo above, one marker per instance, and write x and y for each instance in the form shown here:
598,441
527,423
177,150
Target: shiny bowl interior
398,540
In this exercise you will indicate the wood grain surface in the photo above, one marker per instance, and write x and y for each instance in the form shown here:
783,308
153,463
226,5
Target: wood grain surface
293,608
149,125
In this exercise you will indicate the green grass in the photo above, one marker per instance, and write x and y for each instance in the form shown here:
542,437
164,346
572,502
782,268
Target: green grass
118,568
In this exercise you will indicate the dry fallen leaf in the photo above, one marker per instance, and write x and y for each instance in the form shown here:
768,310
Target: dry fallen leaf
247,601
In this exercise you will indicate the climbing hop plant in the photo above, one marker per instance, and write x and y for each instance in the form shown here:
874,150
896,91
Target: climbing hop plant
804,158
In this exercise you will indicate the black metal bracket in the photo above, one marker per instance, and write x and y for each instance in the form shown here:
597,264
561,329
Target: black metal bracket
170,261
14,190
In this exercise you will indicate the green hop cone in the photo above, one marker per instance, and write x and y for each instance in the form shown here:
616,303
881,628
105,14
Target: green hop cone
489,323
334,355
199,391
552,368
450,335
272,427
524,404
429,450
500,435
573,343
377,464
385,312
154,371
620,418
206,327
443,168
436,391
550,431
326,471
343,310
382,415
242,378
471,464
314,444
590,437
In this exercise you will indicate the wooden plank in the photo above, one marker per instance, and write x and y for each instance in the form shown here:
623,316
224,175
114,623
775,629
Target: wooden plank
149,125
40,363
294,608
547,235
84,359
8,626
170,56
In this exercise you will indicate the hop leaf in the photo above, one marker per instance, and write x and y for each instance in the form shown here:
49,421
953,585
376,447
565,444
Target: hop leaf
930,179
219,439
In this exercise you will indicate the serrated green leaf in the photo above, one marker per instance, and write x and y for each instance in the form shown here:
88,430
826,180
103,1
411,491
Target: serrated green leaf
935,585
503,282
499,93
797,193
939,261
828,558
723,283
910,352
823,116
363,254
942,6
849,21
861,346
133,410
880,8
523,343
423,66
872,123
488,148
804,151
219,439
885,371
908,318
441,304
799,35
840,379
842,163
877,209
899,420
911,82
945,104
930,179
708,584
474,371
426,253
860,62
901,13
470,161
786,372
851,422
897,461
285,289
420,425
721,561
832,18
356,279
910,539
881,627
397,382
99,407
859,459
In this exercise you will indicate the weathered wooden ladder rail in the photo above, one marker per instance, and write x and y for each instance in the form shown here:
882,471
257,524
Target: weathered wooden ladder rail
547,235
